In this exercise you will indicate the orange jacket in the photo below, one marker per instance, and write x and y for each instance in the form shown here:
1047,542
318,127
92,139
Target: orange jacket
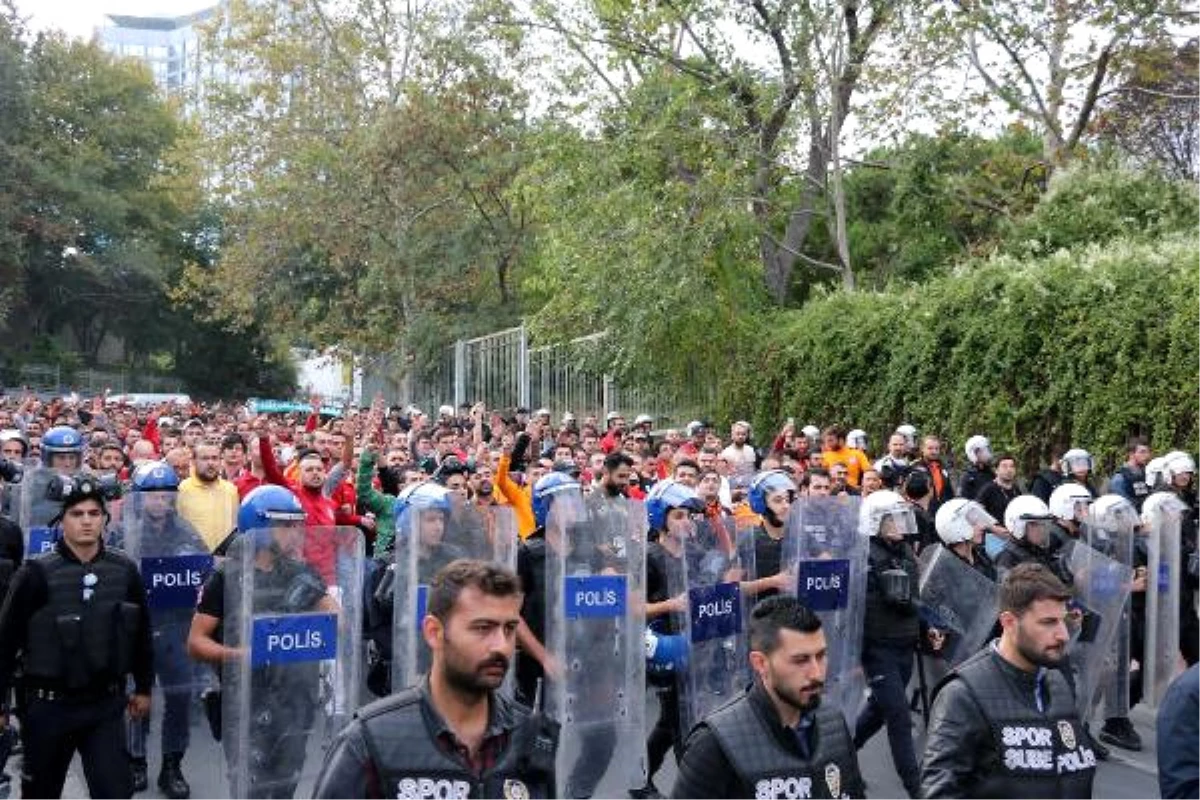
520,498
855,461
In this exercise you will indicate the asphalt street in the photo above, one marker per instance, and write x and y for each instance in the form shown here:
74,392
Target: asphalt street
1124,775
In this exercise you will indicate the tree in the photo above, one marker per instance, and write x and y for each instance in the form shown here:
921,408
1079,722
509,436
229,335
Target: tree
366,153
1049,62
916,208
88,205
790,88
1152,114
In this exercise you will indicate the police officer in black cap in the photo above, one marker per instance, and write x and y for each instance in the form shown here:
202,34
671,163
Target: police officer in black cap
76,622
454,734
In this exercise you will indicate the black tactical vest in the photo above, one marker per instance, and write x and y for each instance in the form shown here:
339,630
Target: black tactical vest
410,765
774,771
1040,754
79,643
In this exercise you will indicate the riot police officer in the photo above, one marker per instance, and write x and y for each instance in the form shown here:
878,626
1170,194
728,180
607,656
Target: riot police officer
1030,524
775,739
961,525
1004,723
771,496
979,472
265,754
77,623
891,629
453,732
668,510
174,559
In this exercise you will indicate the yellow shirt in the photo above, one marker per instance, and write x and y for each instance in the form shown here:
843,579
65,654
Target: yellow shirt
210,507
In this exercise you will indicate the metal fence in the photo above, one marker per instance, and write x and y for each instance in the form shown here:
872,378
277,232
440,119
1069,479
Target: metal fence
55,379
502,370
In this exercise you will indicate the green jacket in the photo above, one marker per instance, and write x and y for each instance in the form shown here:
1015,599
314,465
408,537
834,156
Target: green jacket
383,506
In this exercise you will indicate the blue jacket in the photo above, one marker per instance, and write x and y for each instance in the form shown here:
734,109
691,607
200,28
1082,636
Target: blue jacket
1178,730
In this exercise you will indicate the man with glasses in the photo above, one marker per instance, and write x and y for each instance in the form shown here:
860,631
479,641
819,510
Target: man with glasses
76,621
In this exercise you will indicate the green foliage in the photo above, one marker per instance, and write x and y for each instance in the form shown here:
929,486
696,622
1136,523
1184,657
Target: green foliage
1083,347
916,208
374,204
1087,205
640,238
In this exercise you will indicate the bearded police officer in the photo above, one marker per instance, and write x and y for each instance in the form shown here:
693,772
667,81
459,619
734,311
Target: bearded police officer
1004,723
76,621
454,734
775,740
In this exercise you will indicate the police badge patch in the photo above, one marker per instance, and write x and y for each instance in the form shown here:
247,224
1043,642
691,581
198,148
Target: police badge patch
1067,734
515,790
833,779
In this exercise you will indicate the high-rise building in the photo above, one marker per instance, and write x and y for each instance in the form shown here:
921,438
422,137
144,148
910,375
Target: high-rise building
169,45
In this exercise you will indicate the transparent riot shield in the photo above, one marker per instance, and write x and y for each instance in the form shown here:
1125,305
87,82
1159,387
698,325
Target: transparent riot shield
829,559
1110,529
959,601
713,622
35,510
431,540
174,563
595,610
1101,589
296,682
1162,515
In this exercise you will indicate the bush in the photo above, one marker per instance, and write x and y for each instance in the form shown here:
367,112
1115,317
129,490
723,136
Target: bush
1088,206
1082,347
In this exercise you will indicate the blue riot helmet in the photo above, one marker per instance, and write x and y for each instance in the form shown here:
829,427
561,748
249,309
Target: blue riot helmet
666,657
59,440
266,507
667,495
766,484
424,496
158,476
545,489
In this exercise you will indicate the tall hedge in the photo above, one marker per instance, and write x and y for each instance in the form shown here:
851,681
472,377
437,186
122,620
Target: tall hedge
1082,347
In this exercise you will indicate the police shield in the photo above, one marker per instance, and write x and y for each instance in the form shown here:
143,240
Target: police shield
1110,529
1162,516
594,632
174,563
713,622
431,539
957,600
36,509
827,555
1101,589
292,609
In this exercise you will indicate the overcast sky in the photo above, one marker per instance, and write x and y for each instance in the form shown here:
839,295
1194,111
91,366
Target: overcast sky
81,17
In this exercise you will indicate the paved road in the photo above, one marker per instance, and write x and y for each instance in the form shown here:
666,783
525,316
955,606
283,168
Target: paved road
1125,775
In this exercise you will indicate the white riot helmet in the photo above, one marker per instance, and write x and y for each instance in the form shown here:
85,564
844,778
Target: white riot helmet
1113,514
881,506
1176,463
909,432
1075,457
958,518
978,449
1154,473
857,439
1161,504
1023,510
811,432
1070,501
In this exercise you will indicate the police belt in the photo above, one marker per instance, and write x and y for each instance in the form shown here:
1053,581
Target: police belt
49,690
